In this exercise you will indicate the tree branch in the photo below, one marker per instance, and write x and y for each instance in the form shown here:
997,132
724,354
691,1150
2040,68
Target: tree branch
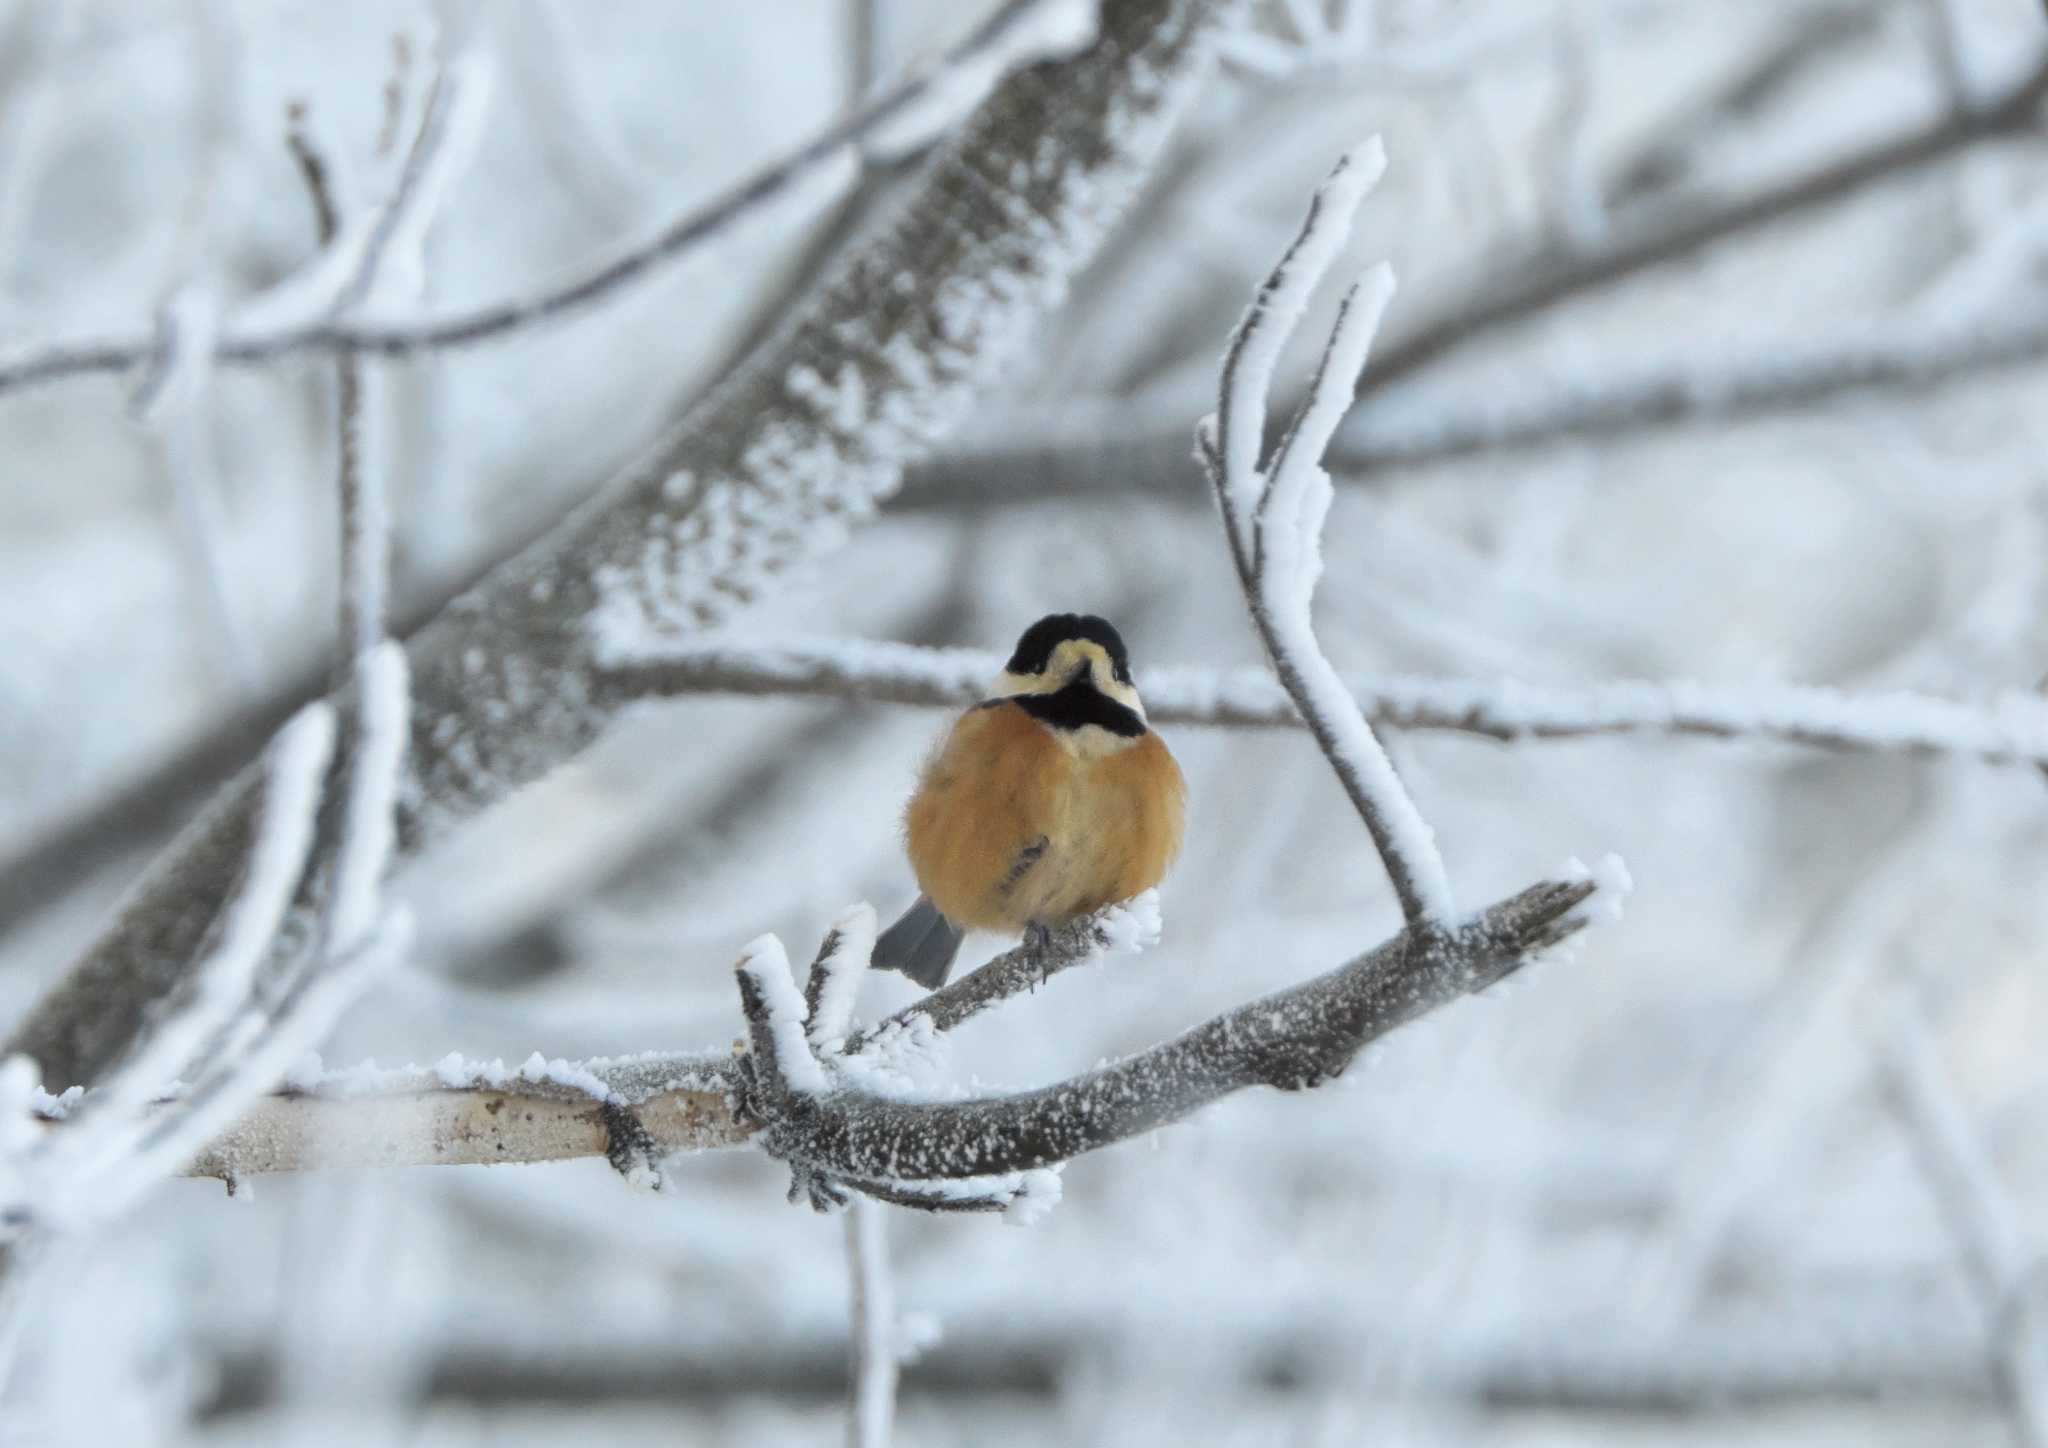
1273,519
1556,272
768,469
1060,449
1017,33
657,1105
2010,728
1291,1040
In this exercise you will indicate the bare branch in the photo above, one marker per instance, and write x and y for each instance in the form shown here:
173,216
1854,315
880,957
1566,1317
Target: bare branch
993,47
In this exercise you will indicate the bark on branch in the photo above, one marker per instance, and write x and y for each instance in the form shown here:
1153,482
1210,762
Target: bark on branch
637,1111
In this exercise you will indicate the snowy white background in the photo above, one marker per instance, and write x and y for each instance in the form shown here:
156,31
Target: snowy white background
1657,1194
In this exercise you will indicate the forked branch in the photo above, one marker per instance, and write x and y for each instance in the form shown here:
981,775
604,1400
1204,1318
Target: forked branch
1273,519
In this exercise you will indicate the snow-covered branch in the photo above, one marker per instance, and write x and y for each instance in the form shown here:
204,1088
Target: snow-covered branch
871,1373
1516,288
770,468
823,1104
904,118
242,1015
912,1150
2009,728
1273,519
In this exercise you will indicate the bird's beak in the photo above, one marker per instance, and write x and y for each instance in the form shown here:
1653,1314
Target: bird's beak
1080,674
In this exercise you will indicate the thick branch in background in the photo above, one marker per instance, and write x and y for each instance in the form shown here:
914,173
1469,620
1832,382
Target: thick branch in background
769,469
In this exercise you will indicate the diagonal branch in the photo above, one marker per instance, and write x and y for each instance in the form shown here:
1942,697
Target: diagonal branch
1291,1040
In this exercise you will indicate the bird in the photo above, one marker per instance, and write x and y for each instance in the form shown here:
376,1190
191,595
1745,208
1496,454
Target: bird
1045,802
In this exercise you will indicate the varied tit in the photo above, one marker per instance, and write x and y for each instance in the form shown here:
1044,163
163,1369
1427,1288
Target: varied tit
1046,801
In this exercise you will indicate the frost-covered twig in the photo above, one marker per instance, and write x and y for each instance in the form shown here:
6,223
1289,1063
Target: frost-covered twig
1291,1040
234,1028
873,1356
1273,518
2007,728
394,230
767,470
1126,928
1020,32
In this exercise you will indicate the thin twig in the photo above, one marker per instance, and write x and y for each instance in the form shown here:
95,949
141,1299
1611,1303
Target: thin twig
2008,728
1273,520
871,1387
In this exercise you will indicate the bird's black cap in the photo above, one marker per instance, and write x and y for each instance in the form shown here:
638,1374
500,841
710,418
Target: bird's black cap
1034,649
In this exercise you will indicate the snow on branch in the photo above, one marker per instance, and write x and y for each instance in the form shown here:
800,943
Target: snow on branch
871,1294
903,119
2007,728
230,1029
846,1129
1291,1040
1273,518
770,468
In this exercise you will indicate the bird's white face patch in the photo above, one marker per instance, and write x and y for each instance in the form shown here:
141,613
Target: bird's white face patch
1092,741
1068,658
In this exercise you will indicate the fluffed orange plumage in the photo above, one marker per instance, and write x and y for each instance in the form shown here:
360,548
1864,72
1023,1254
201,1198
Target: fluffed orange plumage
1010,826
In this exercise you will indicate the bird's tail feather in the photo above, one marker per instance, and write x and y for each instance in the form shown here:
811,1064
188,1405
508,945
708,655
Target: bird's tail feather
921,944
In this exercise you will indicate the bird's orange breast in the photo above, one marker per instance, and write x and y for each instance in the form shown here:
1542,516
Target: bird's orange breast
1000,783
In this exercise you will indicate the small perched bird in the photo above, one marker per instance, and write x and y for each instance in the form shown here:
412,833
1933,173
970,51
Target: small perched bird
1045,802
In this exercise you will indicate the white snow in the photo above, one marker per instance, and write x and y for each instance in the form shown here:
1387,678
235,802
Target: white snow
1276,313
1132,927
764,961
845,969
